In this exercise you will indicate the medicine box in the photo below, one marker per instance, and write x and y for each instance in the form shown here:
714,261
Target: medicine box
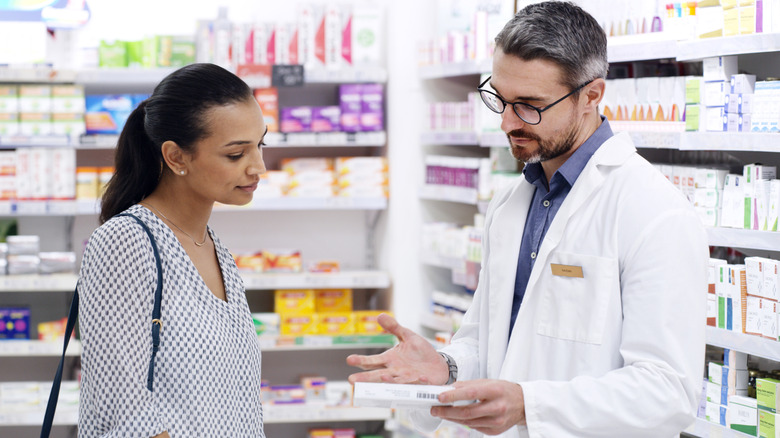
716,413
335,323
768,394
107,114
723,375
14,323
743,414
297,324
366,322
393,395
297,301
333,300
768,424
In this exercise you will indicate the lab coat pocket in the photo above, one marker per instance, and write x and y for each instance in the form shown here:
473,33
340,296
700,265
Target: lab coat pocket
576,292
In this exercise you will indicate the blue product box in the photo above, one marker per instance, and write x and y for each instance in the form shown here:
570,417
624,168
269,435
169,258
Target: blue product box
107,113
14,323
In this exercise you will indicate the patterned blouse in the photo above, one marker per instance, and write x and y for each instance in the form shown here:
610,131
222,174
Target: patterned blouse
207,371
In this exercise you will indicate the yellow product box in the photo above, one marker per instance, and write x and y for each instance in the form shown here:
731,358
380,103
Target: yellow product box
335,323
297,324
295,301
365,322
363,179
333,300
282,261
299,165
747,20
87,183
730,21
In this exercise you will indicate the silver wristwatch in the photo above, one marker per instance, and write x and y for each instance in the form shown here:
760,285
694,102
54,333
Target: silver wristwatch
453,368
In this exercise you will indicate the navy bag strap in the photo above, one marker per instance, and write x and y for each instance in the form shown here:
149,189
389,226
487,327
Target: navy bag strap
73,314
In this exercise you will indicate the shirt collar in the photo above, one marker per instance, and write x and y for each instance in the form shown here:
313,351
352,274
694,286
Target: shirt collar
572,168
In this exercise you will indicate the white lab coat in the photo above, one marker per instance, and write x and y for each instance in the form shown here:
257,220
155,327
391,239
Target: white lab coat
619,352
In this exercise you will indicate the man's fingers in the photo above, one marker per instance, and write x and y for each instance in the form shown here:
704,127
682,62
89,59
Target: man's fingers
374,376
391,325
372,362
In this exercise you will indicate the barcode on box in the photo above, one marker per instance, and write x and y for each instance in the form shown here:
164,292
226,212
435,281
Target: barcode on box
426,395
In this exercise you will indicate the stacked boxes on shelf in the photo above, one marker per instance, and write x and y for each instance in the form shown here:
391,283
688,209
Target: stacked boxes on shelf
107,113
32,173
356,177
30,398
149,52
322,312
632,102
42,110
725,398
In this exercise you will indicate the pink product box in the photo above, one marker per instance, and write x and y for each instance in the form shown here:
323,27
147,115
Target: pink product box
350,105
451,176
326,119
296,119
372,109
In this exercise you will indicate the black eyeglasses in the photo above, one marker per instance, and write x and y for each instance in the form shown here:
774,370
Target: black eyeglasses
527,113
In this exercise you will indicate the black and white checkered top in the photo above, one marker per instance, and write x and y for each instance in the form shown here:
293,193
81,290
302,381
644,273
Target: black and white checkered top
207,372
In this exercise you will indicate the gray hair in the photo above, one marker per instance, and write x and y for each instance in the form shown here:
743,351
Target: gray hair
560,32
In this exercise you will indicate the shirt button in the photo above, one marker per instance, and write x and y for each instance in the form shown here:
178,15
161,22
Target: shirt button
546,203
533,255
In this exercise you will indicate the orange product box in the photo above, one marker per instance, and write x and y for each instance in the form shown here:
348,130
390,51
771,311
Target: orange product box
333,300
250,262
345,165
300,165
335,323
366,324
282,261
268,98
294,301
325,266
331,433
52,331
297,324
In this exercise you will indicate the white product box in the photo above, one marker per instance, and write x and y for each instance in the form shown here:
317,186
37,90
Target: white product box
710,178
719,68
742,84
9,124
743,414
737,299
283,34
725,376
307,31
367,35
713,118
715,93
769,319
9,99
716,413
23,173
42,179
706,198
715,395
35,98
753,320
755,275
393,395
739,103
262,49
70,124
67,99
758,172
35,124
333,26
708,216
63,173
771,280
774,205
737,122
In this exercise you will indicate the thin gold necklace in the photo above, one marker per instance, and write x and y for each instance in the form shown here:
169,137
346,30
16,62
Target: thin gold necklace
205,235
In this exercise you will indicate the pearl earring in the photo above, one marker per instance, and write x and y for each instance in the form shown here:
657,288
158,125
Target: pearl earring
181,172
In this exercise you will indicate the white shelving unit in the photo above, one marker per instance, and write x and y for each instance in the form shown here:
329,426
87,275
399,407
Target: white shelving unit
705,429
272,414
450,138
436,192
734,237
753,345
731,45
252,281
640,48
465,68
707,141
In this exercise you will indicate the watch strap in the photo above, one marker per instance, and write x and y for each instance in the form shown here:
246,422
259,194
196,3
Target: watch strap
453,368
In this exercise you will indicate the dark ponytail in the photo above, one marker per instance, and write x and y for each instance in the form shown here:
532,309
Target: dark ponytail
175,111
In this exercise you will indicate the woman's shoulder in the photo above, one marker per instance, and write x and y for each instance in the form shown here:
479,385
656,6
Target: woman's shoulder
121,231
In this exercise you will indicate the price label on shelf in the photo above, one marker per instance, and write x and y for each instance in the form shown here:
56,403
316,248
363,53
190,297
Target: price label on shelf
317,341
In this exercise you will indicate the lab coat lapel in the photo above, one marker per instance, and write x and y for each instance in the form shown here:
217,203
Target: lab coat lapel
505,236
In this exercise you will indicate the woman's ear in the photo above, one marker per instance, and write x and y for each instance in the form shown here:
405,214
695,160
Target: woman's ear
174,157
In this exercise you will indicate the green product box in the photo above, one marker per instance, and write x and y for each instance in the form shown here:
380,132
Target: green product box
693,89
135,53
767,422
175,51
112,53
692,117
768,394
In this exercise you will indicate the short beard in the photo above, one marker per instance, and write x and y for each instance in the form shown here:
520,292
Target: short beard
548,149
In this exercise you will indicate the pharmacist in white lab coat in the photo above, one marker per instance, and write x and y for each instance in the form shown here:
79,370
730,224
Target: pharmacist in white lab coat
589,316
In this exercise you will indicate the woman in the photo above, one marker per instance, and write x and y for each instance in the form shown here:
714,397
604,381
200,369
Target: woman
197,140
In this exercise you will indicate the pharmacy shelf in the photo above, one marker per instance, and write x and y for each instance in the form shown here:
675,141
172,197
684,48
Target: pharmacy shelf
496,139
24,348
748,239
641,47
436,322
432,259
732,45
36,74
272,414
326,139
122,76
437,192
38,283
17,141
345,75
84,208
252,281
325,343
62,417
309,280
707,141
454,138
705,429
464,68
31,348
750,344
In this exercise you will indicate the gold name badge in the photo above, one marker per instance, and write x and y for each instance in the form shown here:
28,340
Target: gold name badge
566,270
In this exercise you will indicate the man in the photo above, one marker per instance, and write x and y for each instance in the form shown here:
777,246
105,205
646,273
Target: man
589,316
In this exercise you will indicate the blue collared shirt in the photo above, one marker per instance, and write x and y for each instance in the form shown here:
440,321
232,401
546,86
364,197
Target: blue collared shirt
545,205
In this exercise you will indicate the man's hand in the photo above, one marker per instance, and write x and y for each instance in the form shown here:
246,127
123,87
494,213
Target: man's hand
499,405
412,360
